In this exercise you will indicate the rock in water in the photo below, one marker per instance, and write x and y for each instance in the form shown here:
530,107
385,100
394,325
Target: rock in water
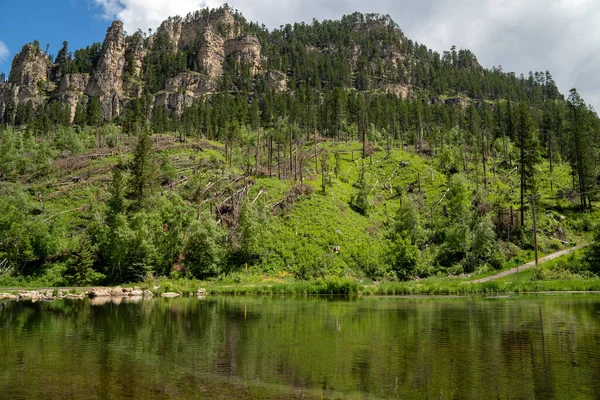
170,295
31,295
99,292
117,292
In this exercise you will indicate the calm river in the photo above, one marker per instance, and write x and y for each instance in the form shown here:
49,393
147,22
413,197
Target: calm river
526,347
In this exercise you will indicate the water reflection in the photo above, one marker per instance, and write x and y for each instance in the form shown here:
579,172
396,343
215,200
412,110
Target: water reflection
524,347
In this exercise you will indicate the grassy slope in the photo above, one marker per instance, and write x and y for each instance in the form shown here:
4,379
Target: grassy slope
300,243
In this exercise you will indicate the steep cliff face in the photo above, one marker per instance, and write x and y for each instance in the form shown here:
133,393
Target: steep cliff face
187,57
135,54
28,80
246,48
212,53
171,28
182,90
71,90
135,57
106,82
206,38
29,67
191,84
276,80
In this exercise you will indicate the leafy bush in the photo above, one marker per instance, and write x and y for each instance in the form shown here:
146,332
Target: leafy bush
204,249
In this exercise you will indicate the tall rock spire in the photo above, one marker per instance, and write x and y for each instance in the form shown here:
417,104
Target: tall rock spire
106,82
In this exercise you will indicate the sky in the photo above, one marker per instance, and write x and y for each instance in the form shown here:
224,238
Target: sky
561,36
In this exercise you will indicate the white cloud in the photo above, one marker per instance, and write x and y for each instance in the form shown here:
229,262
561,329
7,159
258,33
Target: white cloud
4,52
522,36
144,14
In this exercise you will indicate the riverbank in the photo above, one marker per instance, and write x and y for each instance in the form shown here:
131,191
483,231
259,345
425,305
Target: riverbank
549,276
330,286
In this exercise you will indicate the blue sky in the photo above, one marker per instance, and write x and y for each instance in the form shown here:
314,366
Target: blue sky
51,22
562,36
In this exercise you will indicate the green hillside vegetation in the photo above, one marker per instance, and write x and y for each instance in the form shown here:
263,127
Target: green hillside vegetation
337,177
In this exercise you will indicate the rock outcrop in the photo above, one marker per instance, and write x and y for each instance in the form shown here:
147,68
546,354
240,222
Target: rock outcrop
71,90
106,82
191,55
211,54
207,39
28,80
246,48
99,292
135,57
190,83
29,72
276,80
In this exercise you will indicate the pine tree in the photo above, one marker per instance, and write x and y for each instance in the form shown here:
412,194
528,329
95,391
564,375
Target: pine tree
80,118
360,200
94,112
79,269
529,153
581,146
116,200
63,58
142,171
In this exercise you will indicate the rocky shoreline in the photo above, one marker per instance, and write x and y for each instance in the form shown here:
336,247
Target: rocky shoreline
97,295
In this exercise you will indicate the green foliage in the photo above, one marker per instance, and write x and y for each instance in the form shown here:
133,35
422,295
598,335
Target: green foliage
405,258
66,140
25,236
167,170
360,200
170,240
94,112
126,249
79,270
204,248
435,196
116,201
143,172
248,237
592,255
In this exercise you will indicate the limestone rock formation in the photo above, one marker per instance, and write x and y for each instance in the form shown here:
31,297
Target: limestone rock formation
135,57
190,84
276,80
246,48
182,90
212,53
189,57
71,90
170,295
28,80
106,82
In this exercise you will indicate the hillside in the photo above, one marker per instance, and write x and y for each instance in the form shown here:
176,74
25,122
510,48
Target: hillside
214,148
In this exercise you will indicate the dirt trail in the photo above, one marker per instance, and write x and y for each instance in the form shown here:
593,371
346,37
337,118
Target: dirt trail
531,264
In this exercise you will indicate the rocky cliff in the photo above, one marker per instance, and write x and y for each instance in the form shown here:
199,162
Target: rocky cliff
106,83
28,81
186,59
207,38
